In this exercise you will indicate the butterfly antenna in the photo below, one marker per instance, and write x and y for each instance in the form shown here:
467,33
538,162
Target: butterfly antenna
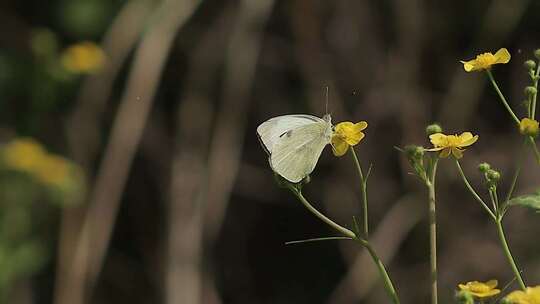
326,103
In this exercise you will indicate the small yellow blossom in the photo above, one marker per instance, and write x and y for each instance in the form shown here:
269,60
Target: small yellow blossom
347,134
83,57
453,144
486,60
481,289
528,127
53,170
23,154
530,296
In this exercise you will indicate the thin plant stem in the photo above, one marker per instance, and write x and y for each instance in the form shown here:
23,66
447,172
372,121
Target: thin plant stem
348,235
516,174
535,149
533,103
433,232
473,192
508,254
501,96
346,232
330,238
388,286
363,190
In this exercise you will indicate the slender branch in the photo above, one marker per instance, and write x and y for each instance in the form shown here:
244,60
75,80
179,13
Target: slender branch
501,96
433,232
330,238
535,149
508,254
389,287
346,232
363,190
533,103
473,192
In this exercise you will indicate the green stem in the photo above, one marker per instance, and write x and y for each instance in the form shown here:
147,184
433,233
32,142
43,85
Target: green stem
363,190
433,232
535,149
321,239
501,96
533,106
473,192
508,254
346,232
388,286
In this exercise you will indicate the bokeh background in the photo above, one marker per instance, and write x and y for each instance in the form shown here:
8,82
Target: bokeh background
131,172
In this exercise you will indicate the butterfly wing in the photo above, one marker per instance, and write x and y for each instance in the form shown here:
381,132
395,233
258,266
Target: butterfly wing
271,131
296,153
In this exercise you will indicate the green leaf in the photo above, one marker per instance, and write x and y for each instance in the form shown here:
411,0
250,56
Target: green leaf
530,201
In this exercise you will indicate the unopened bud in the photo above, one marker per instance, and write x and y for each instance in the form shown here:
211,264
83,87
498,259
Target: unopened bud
529,64
414,152
528,127
537,54
530,91
433,128
464,297
493,176
484,167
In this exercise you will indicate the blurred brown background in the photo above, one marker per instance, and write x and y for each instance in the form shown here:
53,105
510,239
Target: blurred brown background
178,203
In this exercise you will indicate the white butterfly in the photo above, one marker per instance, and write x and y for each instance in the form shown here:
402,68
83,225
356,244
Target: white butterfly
295,143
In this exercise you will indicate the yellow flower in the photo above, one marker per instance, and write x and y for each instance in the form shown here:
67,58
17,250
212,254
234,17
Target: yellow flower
347,134
451,143
23,154
486,60
528,127
83,57
481,289
53,170
530,296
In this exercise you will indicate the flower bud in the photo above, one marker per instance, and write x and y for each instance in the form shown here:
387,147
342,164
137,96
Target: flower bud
530,91
528,127
433,128
537,54
464,297
484,167
493,176
529,64
414,152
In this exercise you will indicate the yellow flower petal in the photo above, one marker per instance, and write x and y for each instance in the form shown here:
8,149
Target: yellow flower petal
518,297
492,283
467,139
502,56
438,139
469,66
339,147
445,153
457,153
361,125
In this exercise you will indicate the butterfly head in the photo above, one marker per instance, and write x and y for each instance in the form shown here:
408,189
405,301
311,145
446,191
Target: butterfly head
327,118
